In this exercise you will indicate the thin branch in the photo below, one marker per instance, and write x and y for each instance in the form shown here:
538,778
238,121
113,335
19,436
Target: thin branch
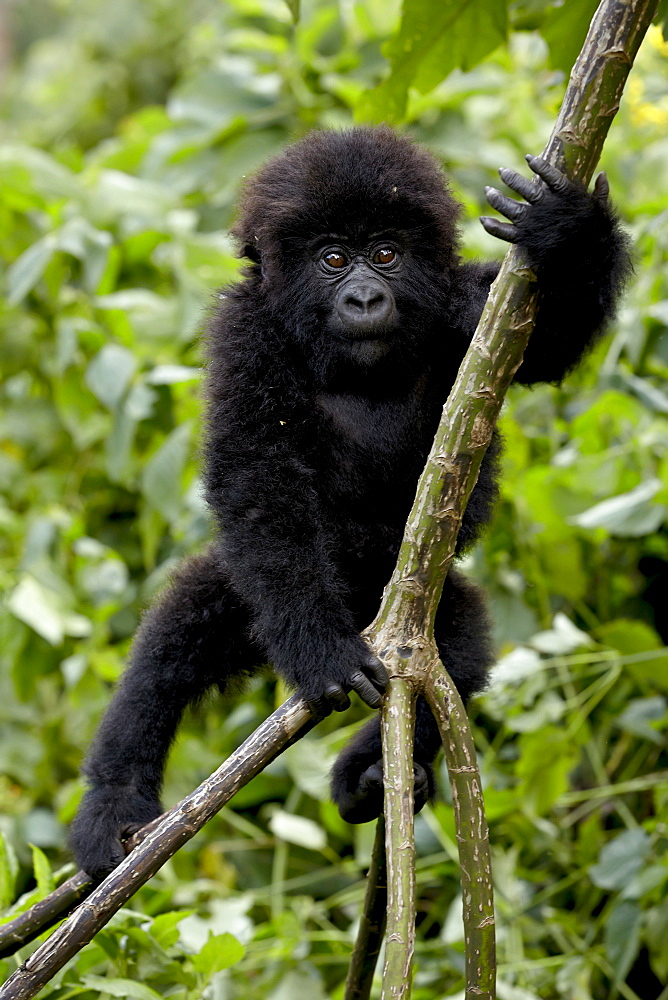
288,723
372,923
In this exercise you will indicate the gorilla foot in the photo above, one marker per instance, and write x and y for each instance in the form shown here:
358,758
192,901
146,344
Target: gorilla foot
107,817
364,801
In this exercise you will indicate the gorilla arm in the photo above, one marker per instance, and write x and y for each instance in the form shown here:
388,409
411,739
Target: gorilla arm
275,543
573,242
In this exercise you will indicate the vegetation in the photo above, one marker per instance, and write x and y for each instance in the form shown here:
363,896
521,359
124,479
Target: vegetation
127,129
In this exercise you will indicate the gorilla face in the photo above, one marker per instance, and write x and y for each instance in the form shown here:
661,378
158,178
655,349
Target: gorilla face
362,310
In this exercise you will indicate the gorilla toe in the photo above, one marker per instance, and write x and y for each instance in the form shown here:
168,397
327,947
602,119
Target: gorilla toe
363,801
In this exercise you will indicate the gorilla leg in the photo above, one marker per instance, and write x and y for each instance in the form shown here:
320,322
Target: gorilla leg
192,639
463,638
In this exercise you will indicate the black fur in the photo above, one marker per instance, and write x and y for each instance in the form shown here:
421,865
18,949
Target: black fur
327,373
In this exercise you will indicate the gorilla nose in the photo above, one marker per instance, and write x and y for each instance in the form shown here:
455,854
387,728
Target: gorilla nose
366,303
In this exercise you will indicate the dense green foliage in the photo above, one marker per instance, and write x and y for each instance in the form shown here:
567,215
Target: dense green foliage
127,130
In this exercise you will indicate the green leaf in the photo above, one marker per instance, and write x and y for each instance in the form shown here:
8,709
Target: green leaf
298,830
620,859
109,374
628,515
42,871
639,714
547,758
632,639
434,37
565,29
220,952
622,937
42,609
171,374
161,482
26,271
120,988
8,871
164,927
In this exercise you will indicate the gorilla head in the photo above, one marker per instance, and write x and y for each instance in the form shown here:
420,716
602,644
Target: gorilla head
350,234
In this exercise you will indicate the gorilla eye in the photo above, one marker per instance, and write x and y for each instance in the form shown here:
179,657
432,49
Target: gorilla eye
335,259
385,256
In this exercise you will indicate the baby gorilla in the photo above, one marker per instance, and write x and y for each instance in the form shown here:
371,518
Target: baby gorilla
329,364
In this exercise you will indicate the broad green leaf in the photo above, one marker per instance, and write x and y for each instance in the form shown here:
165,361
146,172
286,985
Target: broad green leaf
565,29
171,374
109,374
435,37
43,610
161,482
220,952
632,639
547,759
620,859
639,715
563,637
622,937
628,515
120,988
26,271
42,871
164,928
8,871
298,830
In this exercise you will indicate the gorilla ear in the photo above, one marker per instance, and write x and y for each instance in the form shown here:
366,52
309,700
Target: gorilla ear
251,251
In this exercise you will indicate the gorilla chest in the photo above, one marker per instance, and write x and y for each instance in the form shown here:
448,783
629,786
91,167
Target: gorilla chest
365,446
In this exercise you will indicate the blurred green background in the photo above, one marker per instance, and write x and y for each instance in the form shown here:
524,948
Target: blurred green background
126,131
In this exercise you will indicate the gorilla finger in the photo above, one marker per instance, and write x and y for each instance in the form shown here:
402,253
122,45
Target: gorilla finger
337,697
372,778
320,707
522,185
375,671
508,206
502,230
365,689
601,187
555,180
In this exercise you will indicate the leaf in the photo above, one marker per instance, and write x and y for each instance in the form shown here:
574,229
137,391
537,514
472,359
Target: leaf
309,765
42,871
620,859
161,482
171,374
434,37
516,666
220,952
547,758
109,374
639,714
39,608
564,29
633,638
622,937
120,988
293,7
25,272
298,830
8,871
164,929
628,515
565,637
